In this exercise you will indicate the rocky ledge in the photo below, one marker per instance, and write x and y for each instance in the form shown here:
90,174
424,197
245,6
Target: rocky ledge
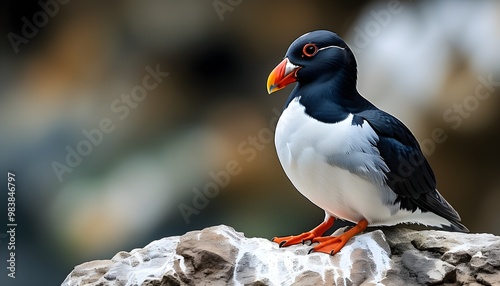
221,256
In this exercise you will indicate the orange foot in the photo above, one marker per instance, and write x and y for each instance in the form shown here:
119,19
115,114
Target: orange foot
310,235
333,244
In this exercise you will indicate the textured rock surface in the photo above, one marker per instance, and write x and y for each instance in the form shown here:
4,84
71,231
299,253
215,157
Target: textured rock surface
221,256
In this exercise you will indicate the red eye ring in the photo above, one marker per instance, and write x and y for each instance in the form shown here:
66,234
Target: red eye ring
309,50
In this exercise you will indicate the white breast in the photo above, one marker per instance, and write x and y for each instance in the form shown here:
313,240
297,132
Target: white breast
304,144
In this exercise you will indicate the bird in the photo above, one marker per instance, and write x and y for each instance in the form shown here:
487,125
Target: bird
353,160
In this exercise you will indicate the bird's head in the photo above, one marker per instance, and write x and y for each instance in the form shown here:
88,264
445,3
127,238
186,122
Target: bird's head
313,57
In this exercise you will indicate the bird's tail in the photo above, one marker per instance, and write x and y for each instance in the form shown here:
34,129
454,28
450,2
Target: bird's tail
437,203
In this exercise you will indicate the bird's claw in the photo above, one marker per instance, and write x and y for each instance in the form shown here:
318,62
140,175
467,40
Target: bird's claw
313,250
304,241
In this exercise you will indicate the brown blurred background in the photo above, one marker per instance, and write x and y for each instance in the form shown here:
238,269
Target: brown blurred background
425,62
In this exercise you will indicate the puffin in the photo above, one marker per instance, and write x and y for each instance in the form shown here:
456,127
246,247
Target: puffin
356,162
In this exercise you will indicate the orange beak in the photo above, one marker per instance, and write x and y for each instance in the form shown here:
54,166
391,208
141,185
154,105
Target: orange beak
282,75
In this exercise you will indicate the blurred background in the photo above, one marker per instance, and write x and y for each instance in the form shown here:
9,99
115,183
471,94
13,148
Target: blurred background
67,67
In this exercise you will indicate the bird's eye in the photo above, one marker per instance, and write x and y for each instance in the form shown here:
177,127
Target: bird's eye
309,50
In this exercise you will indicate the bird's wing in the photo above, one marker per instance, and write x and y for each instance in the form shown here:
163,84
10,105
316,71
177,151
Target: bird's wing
410,175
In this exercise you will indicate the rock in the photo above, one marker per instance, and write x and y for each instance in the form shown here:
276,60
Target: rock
427,269
221,256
